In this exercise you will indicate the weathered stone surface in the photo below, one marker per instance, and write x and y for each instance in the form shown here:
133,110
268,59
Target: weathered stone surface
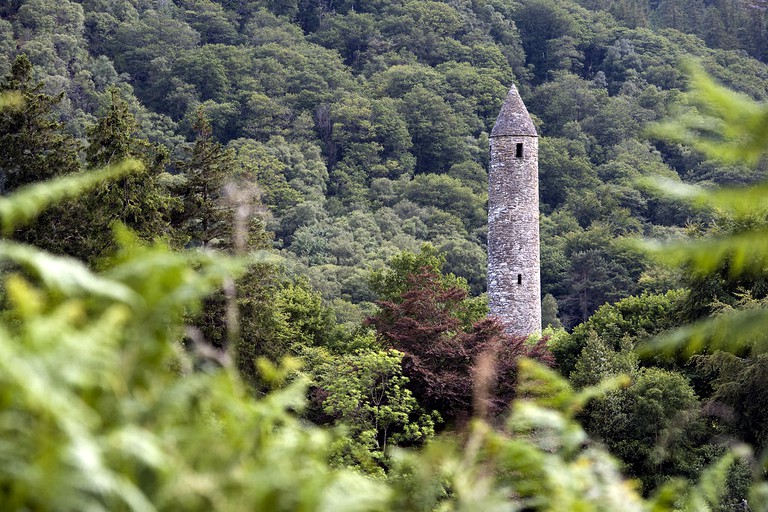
513,118
514,280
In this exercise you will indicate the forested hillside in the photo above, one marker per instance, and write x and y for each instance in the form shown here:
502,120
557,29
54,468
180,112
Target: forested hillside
366,124
347,141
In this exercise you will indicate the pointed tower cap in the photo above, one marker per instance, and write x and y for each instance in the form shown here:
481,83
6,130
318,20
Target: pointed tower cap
514,118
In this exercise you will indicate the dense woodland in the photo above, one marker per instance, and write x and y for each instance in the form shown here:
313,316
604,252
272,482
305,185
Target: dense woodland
341,148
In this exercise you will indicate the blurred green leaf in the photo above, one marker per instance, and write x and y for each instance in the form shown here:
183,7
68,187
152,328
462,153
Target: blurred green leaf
742,253
723,124
729,127
743,201
28,202
11,99
733,332
66,276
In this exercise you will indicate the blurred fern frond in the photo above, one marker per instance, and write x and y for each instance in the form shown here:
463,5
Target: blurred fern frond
741,201
543,461
735,332
11,99
742,253
729,127
723,124
64,275
28,202
97,412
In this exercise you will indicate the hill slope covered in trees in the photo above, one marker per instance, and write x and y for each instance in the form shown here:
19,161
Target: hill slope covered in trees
366,123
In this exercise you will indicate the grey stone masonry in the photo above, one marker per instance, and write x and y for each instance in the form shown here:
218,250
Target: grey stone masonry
514,275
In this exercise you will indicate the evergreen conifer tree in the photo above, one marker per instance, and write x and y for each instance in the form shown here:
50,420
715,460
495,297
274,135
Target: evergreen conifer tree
34,148
139,201
207,216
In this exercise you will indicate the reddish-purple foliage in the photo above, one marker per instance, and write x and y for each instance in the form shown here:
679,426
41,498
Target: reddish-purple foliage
442,354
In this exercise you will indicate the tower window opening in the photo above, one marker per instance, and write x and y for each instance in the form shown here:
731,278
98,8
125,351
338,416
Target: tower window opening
519,278
519,150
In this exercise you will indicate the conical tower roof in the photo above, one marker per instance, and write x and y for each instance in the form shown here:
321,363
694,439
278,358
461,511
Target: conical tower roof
514,118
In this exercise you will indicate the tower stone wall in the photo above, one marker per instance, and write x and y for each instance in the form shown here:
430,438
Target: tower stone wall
514,275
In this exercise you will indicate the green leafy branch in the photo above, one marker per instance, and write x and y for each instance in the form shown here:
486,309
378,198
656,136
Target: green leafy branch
729,127
723,124
11,99
25,205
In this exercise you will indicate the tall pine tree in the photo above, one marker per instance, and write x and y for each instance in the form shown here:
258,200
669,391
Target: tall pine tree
139,201
221,212
34,145
207,215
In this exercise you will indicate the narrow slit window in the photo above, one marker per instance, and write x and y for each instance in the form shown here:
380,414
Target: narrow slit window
519,150
519,278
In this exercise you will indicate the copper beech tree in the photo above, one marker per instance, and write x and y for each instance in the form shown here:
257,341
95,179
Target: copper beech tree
442,351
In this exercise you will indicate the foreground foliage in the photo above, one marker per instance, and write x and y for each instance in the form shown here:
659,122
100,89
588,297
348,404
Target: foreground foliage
727,265
101,408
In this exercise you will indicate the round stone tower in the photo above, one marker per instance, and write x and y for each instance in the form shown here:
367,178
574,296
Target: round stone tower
514,280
